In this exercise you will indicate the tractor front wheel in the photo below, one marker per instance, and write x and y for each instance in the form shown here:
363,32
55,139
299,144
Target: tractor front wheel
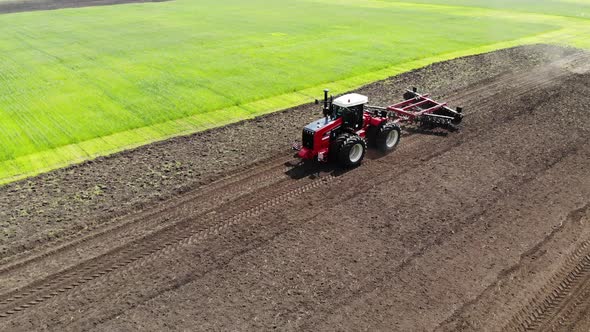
388,137
352,151
336,145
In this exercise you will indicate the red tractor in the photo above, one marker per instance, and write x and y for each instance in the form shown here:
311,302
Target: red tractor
349,124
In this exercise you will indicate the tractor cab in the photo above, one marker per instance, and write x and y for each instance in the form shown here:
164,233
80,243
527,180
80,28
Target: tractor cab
350,107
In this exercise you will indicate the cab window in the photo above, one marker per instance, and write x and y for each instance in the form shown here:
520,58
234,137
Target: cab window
338,111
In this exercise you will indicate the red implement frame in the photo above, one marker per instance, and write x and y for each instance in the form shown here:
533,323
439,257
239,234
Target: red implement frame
409,110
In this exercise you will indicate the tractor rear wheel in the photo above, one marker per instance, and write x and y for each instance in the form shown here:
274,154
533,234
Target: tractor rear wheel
352,151
388,137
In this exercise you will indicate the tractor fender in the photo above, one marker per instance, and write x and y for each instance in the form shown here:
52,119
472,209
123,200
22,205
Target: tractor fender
373,129
377,122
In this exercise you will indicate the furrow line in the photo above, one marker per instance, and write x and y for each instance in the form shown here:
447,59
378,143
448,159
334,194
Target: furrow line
512,78
558,296
524,81
527,85
566,318
215,193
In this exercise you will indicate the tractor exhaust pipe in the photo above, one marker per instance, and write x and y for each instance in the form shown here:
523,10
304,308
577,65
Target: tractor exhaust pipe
326,108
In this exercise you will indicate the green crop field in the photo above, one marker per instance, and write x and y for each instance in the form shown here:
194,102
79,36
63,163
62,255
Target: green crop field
80,83
574,8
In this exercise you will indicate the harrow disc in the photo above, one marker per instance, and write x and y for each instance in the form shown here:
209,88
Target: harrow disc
456,116
435,120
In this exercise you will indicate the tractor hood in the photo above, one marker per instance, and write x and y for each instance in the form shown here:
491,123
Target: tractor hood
318,124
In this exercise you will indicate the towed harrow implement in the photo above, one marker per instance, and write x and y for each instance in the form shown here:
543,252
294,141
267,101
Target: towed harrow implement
423,110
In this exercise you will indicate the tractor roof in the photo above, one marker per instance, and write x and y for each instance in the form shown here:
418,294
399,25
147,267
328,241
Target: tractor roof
351,99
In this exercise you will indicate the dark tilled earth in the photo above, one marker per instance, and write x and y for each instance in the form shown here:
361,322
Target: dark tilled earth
221,230
15,6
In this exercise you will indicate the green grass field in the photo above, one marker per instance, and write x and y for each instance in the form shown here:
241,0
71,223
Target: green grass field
80,83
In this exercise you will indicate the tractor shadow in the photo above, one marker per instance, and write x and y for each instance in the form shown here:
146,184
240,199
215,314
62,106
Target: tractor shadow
425,130
301,169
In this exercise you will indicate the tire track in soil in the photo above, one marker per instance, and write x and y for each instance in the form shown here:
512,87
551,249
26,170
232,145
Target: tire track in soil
235,185
332,180
154,245
166,240
487,91
527,83
380,275
228,188
567,292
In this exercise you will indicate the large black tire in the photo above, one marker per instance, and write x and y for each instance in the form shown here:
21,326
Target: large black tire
336,145
352,151
371,136
388,137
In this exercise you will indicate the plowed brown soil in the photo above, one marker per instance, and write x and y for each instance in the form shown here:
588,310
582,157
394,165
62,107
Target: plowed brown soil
223,231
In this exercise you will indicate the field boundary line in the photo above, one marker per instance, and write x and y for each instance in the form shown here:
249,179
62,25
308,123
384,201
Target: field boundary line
190,125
